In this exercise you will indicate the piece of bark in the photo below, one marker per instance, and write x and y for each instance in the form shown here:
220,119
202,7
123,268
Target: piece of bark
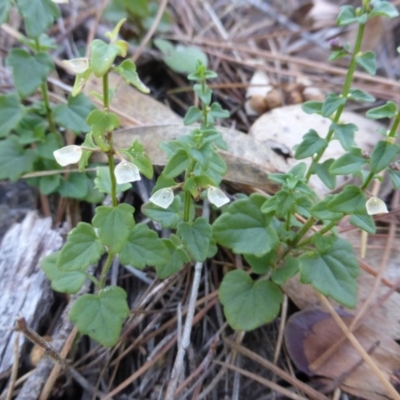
24,289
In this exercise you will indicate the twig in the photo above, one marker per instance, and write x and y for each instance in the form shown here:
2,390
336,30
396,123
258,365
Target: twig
14,371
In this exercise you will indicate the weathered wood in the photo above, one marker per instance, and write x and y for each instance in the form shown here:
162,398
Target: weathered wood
24,289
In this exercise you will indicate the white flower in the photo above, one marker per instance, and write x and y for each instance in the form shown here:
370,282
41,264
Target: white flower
126,172
77,65
68,155
61,1
376,206
163,198
217,196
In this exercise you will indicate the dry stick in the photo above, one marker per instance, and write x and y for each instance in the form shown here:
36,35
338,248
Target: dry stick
185,341
14,371
357,319
151,31
263,381
48,387
363,353
276,370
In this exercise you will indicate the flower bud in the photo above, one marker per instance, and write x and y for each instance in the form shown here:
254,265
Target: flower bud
376,206
68,155
126,172
217,196
163,197
77,65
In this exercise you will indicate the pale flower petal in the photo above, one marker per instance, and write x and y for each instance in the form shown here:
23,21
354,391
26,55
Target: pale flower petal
217,196
68,155
61,1
163,198
77,65
126,172
376,206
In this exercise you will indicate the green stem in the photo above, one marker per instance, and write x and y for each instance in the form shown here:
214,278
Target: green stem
105,270
345,92
304,229
395,126
110,153
188,196
320,232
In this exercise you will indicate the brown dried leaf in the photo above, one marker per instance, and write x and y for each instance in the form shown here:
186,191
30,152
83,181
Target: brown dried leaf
310,333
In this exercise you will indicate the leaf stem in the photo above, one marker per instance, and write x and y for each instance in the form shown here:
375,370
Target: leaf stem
110,153
105,269
345,92
304,229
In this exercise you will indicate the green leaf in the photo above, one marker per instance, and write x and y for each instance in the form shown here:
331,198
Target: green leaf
83,248
49,184
312,143
102,56
323,173
383,154
344,133
144,248
332,103
289,269
383,9
332,272
218,112
15,160
312,107
395,178
101,315
138,156
32,129
114,225
38,15
367,61
192,115
102,182
74,186
127,69
74,114
5,7
61,281
261,265
29,71
245,229
181,59
350,163
347,16
12,112
48,145
360,95
320,210
196,237
80,80
388,110
350,199
176,259
248,304
363,221
102,122
88,143
177,164
204,95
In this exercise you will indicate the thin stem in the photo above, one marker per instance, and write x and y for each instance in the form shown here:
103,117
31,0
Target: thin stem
186,210
305,228
320,232
395,126
110,153
345,92
105,270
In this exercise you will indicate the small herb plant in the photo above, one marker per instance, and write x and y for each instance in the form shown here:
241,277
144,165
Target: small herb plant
267,231
274,234
30,125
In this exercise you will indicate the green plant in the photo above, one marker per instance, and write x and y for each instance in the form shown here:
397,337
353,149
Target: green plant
30,126
268,232
274,242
